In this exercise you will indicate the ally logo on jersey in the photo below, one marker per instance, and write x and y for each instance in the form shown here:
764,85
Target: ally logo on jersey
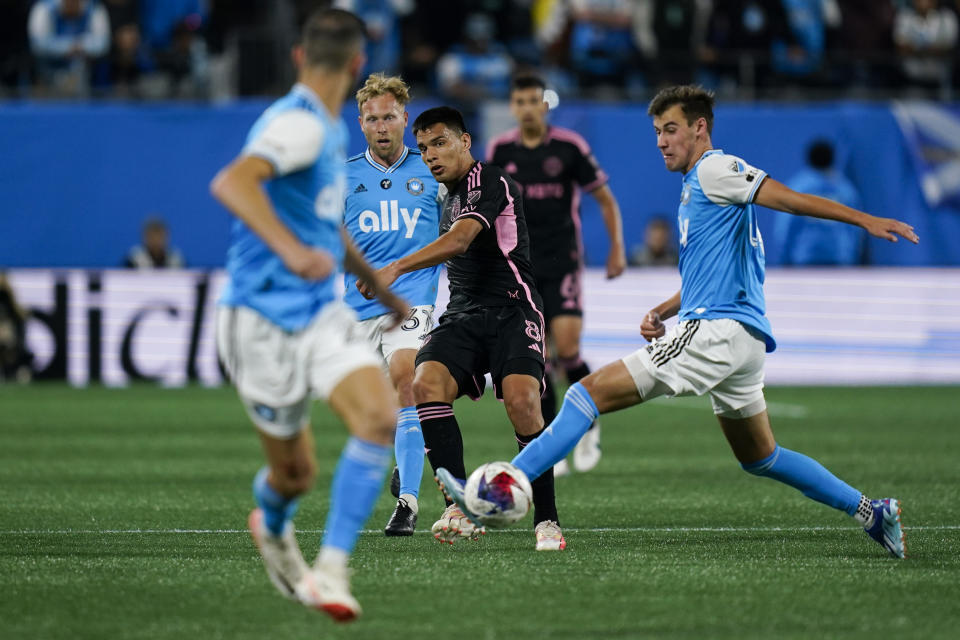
389,213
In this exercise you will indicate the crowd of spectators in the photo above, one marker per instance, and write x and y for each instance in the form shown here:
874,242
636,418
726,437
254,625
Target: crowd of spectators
467,49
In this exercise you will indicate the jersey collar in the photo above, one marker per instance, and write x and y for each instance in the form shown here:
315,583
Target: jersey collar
391,168
310,96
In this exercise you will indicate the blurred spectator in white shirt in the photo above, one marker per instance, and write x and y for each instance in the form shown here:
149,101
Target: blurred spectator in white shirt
66,36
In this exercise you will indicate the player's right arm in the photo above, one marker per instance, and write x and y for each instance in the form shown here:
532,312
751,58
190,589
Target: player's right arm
652,325
452,243
775,195
239,187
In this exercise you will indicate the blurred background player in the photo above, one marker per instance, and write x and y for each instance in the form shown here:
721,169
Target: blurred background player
392,210
154,250
553,165
658,248
719,345
493,322
281,333
804,241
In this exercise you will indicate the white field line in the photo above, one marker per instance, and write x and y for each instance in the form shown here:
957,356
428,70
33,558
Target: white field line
37,532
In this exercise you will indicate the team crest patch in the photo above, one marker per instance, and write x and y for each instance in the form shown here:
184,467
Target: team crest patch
511,167
685,194
455,207
473,196
385,183
414,186
553,166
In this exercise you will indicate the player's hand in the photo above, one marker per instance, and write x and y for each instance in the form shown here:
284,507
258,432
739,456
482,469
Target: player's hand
652,326
385,276
889,229
310,263
399,309
616,262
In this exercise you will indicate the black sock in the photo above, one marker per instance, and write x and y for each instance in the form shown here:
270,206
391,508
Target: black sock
544,498
441,436
576,373
548,402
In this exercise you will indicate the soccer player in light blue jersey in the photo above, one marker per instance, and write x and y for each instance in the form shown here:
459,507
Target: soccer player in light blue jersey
718,346
392,210
281,331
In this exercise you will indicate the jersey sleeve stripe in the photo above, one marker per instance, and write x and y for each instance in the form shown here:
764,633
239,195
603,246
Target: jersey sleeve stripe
602,179
567,135
753,192
474,214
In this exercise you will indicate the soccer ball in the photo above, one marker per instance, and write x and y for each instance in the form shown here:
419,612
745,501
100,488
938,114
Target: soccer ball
498,493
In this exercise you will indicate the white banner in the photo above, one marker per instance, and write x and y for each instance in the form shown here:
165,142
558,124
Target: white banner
839,326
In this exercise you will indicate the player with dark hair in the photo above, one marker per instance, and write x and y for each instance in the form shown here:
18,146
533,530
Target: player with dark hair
555,166
493,322
718,346
281,331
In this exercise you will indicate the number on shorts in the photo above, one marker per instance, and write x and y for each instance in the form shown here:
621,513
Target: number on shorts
412,321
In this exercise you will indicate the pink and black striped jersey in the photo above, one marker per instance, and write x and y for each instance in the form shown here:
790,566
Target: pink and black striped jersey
553,175
495,269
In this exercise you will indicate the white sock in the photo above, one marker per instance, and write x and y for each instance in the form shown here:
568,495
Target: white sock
333,557
864,513
411,501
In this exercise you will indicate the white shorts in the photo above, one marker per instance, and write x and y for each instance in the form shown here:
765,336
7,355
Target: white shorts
721,357
278,372
409,334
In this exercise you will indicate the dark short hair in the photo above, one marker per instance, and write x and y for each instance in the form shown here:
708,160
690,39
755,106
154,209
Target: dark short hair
154,224
527,81
440,115
695,101
820,154
331,37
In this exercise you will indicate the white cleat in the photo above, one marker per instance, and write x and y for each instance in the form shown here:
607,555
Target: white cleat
281,554
327,588
586,455
549,536
561,469
454,525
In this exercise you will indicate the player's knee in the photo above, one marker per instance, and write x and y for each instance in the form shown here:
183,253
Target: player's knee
523,409
426,389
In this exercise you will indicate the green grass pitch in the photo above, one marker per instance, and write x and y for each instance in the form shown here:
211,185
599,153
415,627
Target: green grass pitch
122,515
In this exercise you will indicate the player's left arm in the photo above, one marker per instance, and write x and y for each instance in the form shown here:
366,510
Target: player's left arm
452,243
610,210
776,195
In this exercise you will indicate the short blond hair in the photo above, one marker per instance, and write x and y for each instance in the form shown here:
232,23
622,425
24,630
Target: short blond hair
379,84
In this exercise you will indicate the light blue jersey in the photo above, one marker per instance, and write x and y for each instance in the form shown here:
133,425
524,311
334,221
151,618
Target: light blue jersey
721,250
306,147
390,213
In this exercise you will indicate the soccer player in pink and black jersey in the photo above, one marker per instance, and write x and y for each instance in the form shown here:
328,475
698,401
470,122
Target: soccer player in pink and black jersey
555,166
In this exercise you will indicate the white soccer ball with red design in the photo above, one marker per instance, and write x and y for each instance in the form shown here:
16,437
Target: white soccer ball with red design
498,493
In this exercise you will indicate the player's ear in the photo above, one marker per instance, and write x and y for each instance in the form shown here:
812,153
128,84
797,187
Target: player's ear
298,55
466,140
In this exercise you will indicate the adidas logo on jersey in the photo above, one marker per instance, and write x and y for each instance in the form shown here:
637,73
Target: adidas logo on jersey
360,188
389,218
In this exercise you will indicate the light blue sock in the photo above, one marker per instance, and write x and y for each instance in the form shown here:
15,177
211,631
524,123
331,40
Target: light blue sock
408,449
277,509
356,484
573,420
806,475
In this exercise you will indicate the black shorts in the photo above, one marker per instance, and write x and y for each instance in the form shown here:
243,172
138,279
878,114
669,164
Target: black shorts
561,293
497,340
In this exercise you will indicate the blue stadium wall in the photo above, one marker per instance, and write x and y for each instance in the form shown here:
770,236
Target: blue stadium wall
77,181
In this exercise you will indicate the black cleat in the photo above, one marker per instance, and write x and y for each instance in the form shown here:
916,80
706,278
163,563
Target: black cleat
395,482
402,522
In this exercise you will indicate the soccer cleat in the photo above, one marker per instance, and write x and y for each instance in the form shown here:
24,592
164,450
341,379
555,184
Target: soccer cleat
281,554
403,521
562,468
327,588
887,529
549,536
454,524
452,488
586,455
395,482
